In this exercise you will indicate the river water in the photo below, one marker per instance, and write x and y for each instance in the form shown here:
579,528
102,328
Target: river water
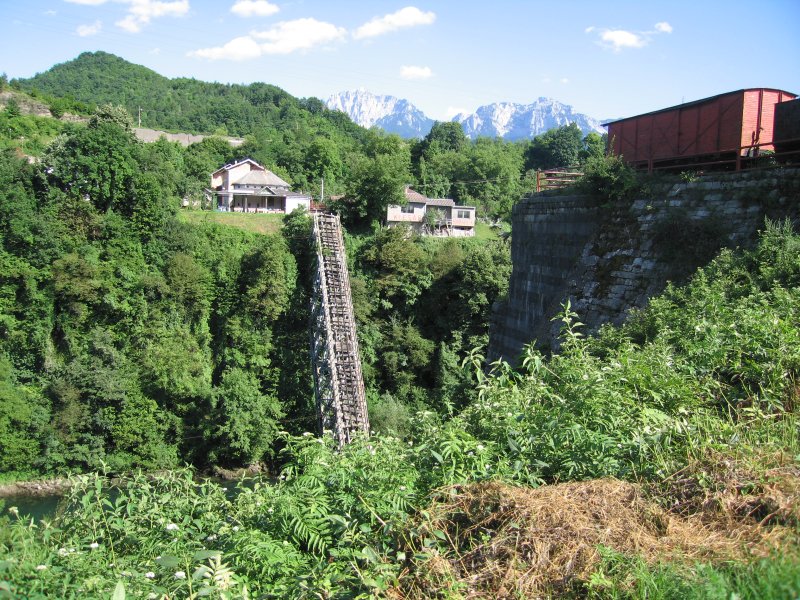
38,507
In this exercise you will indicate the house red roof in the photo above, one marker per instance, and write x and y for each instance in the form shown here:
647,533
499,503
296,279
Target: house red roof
414,196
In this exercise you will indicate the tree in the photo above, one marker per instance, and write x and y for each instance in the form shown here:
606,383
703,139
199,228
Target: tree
206,156
98,162
555,148
594,146
151,207
246,420
58,107
445,136
323,160
491,177
377,179
399,267
23,420
109,113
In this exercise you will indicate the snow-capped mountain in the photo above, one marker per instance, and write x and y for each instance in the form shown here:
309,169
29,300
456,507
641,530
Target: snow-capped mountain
391,114
512,121
507,120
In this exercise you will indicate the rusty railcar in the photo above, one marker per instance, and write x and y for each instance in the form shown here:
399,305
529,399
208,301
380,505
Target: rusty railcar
727,131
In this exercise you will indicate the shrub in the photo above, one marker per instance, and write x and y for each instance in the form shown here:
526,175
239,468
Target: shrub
610,178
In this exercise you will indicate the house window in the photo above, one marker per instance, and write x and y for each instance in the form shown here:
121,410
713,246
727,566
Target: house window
407,209
463,214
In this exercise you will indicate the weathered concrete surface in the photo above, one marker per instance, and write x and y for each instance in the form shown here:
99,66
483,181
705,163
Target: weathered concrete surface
608,259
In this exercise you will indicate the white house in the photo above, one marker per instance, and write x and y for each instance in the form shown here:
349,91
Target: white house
246,186
432,216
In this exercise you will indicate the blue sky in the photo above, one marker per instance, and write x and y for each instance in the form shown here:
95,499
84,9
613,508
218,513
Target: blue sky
607,59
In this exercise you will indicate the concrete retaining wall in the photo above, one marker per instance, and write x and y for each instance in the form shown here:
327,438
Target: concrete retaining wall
607,259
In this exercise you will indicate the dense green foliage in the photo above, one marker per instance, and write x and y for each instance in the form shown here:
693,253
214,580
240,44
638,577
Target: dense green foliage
29,133
132,338
129,338
420,305
304,142
709,369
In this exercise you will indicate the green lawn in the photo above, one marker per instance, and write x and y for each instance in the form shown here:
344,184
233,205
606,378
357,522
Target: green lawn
272,223
255,222
484,231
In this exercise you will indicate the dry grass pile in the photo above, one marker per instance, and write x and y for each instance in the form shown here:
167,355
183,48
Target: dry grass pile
723,490
508,542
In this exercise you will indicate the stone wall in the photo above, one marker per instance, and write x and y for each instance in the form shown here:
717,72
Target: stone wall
608,258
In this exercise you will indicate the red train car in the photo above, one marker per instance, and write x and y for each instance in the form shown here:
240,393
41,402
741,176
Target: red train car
722,131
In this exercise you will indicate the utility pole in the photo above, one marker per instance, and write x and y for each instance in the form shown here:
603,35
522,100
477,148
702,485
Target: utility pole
140,116
322,191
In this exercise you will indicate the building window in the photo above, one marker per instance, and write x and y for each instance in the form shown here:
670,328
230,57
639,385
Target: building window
463,214
407,209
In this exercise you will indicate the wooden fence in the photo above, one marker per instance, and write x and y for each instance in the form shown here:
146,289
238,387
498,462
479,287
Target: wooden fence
553,179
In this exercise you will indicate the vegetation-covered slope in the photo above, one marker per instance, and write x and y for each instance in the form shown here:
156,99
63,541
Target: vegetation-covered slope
695,401
305,142
176,104
134,337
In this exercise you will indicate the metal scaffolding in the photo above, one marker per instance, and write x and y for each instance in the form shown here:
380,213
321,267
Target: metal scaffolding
338,383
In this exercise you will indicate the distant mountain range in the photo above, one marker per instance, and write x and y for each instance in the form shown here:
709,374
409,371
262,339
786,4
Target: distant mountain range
391,114
507,120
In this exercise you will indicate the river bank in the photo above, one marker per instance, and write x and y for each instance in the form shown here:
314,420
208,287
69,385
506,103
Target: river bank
59,485
34,489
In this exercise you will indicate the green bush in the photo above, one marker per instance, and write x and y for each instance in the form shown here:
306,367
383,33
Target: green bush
609,178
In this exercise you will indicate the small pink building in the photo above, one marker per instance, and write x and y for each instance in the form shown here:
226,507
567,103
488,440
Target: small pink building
246,186
432,216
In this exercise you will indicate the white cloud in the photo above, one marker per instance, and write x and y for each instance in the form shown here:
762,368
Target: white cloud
155,51
240,48
88,2
129,24
617,39
87,30
141,12
254,8
50,13
286,37
414,72
564,80
620,39
301,34
410,16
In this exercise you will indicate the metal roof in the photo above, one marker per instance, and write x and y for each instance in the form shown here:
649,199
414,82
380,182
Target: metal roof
261,177
439,202
695,102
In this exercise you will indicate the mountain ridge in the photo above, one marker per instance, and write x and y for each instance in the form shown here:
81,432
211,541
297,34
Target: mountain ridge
392,114
175,104
508,120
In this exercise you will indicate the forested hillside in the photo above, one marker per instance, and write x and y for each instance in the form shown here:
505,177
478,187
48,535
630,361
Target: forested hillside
180,104
132,338
303,141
